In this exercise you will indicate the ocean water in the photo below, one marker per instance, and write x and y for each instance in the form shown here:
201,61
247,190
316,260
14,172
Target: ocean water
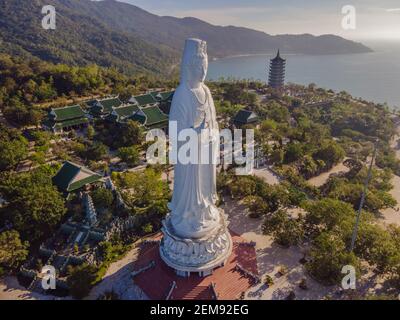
373,76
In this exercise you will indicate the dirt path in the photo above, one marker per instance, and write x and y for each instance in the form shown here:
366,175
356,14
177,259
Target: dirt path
118,279
10,289
323,177
270,258
267,175
391,215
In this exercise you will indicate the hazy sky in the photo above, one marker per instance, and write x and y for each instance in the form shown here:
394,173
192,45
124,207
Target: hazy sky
376,19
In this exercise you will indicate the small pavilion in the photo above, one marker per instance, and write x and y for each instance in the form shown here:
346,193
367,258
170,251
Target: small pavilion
72,177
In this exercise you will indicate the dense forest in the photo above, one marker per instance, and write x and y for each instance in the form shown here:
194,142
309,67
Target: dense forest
25,84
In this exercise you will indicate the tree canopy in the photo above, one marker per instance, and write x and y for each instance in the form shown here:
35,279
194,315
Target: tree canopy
35,207
13,146
13,251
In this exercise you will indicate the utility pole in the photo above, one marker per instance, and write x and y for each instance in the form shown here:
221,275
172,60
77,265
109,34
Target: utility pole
364,194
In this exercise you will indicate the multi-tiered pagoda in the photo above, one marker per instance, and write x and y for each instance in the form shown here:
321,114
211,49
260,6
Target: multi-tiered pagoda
277,72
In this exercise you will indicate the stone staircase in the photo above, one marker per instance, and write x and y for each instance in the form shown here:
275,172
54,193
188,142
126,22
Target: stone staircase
232,285
195,293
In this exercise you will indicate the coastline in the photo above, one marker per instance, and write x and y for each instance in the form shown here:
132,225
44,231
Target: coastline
267,54
368,76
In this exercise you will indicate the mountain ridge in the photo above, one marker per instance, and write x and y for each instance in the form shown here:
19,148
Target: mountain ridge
222,40
116,34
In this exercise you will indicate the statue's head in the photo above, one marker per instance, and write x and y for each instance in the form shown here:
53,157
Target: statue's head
194,62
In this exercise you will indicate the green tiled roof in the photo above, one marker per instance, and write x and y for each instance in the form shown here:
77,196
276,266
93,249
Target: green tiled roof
245,116
67,113
122,113
109,104
145,99
155,95
104,106
139,117
153,116
168,95
126,111
64,177
163,96
79,184
70,123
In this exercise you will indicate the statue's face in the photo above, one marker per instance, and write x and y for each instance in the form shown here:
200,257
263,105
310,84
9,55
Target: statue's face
198,70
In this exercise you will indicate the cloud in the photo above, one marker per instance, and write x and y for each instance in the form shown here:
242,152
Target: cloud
393,10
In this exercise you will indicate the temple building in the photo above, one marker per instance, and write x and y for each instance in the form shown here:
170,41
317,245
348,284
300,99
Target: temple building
276,77
72,177
165,100
144,100
163,96
102,108
69,117
122,114
152,118
245,117
151,110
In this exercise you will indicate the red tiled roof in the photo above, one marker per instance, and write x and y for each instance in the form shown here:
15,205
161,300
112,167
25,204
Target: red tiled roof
229,282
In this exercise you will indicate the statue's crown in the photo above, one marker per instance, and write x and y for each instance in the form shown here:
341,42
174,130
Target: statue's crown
194,48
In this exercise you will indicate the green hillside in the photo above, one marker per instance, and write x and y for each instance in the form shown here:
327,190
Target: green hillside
79,39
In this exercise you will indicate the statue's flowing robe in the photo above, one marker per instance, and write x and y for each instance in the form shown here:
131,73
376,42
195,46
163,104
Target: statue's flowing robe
193,210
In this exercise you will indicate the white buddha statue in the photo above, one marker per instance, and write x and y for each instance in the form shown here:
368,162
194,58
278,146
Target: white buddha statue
193,210
196,238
